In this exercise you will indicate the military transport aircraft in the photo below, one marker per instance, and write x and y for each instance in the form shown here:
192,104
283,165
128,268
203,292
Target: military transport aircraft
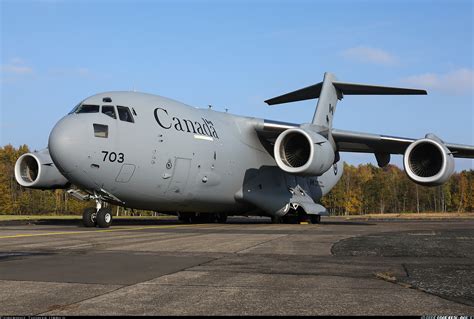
148,152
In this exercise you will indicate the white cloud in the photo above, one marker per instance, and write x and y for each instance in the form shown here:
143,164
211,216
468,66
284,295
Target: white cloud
80,72
459,81
369,55
83,71
17,60
16,66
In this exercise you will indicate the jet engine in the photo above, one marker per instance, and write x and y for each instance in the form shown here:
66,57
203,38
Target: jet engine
37,170
303,152
428,161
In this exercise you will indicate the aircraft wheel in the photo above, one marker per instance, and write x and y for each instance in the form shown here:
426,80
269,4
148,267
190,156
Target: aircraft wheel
184,218
276,220
222,218
315,219
290,219
104,217
209,218
196,218
89,217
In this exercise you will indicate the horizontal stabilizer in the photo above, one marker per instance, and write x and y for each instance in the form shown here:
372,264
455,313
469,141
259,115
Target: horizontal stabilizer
313,92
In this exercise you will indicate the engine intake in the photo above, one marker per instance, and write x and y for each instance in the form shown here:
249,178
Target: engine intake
37,170
428,161
303,152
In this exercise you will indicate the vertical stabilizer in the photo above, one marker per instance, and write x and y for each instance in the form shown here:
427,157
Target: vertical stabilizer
327,101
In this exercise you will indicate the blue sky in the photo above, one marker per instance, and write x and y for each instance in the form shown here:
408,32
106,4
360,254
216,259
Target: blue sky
236,54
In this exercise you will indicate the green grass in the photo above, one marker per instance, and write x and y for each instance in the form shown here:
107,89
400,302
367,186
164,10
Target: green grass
34,217
424,215
71,217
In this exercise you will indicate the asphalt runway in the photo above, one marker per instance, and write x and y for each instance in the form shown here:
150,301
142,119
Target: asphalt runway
244,267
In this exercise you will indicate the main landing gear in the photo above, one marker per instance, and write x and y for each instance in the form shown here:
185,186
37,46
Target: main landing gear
99,216
202,217
296,219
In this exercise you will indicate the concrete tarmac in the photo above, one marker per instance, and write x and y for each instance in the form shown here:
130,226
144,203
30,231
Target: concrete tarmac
245,267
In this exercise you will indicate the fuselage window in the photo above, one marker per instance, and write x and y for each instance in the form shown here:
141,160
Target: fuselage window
87,108
109,110
101,130
125,114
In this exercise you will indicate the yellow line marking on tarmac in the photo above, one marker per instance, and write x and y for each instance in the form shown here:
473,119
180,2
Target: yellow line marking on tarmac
94,231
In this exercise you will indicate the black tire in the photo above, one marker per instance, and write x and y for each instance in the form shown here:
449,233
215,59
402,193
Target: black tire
202,218
276,220
104,217
184,218
222,218
208,218
290,219
89,218
315,219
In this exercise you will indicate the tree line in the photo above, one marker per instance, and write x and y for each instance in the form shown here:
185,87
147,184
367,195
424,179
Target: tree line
362,189
366,188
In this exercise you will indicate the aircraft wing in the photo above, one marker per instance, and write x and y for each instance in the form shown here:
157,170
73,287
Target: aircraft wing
359,142
348,141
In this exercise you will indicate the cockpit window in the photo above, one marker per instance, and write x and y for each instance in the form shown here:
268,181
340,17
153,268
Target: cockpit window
125,114
87,108
75,108
109,110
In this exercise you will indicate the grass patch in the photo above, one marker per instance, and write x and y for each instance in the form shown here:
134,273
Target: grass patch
428,215
72,217
36,217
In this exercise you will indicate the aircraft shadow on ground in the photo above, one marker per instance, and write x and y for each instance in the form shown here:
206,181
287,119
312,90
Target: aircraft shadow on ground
154,222
353,223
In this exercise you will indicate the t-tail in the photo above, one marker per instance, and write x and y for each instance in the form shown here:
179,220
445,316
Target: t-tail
330,91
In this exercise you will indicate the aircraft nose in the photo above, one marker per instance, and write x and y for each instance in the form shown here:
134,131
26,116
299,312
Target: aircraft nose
65,143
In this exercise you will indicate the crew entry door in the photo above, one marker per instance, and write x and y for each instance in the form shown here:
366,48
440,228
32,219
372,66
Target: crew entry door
180,176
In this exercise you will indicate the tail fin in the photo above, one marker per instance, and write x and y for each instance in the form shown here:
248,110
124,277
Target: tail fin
327,101
330,91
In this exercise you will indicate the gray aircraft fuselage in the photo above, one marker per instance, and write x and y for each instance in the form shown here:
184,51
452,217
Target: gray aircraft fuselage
175,157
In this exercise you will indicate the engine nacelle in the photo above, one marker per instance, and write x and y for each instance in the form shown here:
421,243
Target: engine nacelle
303,152
428,161
37,170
